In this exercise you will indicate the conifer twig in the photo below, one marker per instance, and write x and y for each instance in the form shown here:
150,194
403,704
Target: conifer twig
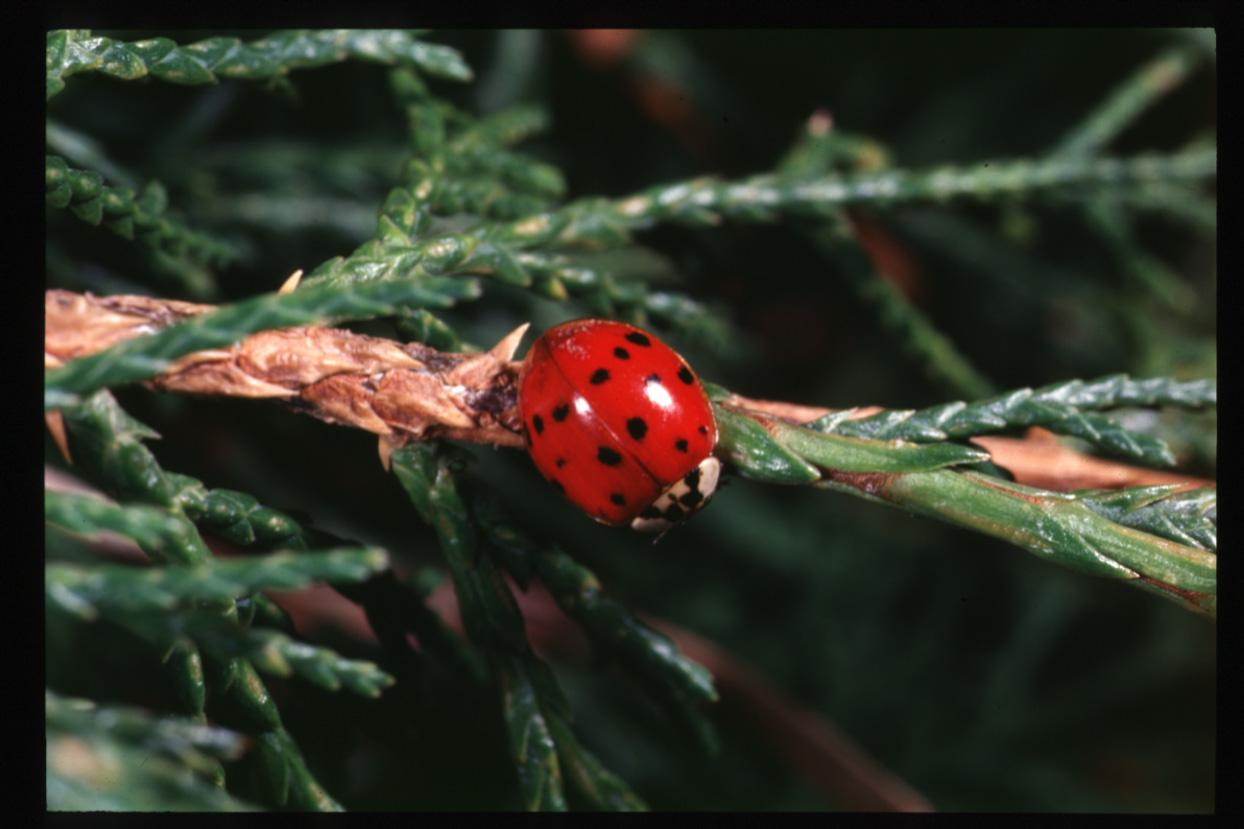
913,476
900,319
271,651
138,359
70,51
109,443
819,149
128,214
764,198
493,622
1132,97
653,658
85,590
817,749
1063,408
1187,516
348,378
122,759
1054,526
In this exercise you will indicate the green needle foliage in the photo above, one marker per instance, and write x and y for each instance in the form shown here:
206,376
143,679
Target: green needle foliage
651,655
108,446
911,329
128,588
76,50
533,705
948,245
271,651
1189,517
128,214
123,759
1064,408
162,535
1135,95
1052,525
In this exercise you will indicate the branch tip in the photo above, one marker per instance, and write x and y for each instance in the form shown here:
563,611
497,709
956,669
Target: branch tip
504,350
288,286
56,425
386,446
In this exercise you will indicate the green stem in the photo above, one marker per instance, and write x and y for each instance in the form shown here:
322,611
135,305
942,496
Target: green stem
1136,94
1053,526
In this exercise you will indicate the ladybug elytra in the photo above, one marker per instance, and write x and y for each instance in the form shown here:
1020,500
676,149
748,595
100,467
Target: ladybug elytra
619,423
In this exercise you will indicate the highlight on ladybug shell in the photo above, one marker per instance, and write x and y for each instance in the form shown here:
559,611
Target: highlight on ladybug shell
618,422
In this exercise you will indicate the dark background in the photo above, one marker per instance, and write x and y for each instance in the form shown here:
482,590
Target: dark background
984,677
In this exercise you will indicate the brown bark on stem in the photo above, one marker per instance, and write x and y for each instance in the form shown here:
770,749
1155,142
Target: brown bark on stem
410,391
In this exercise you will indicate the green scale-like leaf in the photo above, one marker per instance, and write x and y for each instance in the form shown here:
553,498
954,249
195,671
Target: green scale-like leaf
119,209
135,588
123,759
1189,517
70,51
1064,408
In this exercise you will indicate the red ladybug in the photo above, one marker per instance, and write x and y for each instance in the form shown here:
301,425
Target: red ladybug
618,422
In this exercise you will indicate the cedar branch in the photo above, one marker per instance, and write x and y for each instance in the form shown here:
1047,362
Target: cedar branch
398,391
412,392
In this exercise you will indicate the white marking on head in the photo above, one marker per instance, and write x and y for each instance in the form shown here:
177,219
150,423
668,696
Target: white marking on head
710,473
671,507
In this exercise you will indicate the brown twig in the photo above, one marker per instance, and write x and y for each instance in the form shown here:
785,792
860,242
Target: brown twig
398,391
410,391
1040,460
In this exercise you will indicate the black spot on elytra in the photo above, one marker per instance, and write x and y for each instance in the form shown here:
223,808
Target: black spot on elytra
608,457
639,339
537,423
560,412
653,378
693,478
701,429
691,499
685,375
681,444
637,427
672,513
599,376
618,499
621,353
560,462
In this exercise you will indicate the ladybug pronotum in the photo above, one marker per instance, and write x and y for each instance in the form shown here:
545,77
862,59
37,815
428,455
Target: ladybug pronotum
619,423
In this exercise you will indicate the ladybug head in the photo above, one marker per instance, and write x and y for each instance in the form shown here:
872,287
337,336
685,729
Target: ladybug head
681,499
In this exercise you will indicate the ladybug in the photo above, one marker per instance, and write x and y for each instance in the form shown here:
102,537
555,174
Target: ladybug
619,423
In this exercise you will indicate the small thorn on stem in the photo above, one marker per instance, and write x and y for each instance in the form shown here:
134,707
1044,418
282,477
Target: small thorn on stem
505,348
56,425
386,446
288,286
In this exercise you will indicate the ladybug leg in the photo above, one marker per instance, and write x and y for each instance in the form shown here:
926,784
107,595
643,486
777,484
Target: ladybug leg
681,499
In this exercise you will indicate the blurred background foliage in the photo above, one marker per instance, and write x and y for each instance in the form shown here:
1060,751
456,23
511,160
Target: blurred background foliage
985,678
